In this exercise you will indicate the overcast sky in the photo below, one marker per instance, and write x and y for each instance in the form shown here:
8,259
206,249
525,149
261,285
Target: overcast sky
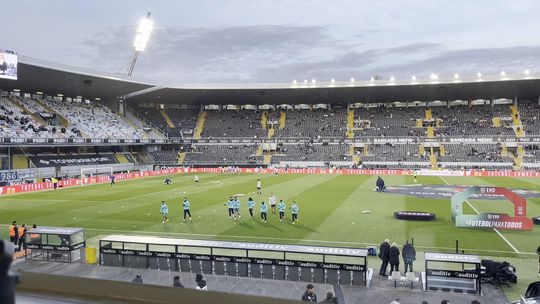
255,41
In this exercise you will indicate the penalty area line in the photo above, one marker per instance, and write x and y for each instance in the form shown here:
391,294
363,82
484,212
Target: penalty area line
494,229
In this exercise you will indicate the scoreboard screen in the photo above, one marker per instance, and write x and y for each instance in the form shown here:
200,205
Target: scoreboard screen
8,65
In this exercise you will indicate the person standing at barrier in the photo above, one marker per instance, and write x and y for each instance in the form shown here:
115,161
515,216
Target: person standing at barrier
384,255
264,209
177,283
309,295
394,257
14,233
272,201
409,256
22,237
281,208
164,212
250,204
186,207
294,211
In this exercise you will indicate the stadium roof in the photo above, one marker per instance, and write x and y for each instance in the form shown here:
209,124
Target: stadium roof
52,79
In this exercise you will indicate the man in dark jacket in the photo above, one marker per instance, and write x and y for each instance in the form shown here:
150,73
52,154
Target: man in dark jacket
409,256
384,255
394,258
309,295
7,282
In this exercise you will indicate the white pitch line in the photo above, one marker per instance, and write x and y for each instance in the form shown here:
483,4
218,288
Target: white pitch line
494,229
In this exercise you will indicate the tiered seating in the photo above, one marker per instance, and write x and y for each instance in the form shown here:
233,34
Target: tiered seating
94,120
530,117
232,123
395,153
311,152
219,154
164,156
482,153
532,153
184,120
15,123
387,122
315,123
469,121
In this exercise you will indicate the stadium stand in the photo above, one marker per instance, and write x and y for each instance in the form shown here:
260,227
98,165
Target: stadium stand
324,123
233,123
312,152
530,117
223,154
395,153
386,122
164,157
471,120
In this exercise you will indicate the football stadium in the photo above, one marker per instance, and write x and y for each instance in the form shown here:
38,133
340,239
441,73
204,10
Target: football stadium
119,187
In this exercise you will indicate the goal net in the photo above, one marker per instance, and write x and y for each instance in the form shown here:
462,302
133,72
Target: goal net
89,175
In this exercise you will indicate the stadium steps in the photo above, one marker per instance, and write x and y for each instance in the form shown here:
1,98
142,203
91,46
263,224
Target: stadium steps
504,150
433,160
200,125
259,151
20,161
442,150
167,119
121,158
365,149
430,132
496,121
421,149
419,122
181,157
21,106
516,121
282,117
271,132
351,150
64,122
356,159
264,119
429,114
267,159
350,124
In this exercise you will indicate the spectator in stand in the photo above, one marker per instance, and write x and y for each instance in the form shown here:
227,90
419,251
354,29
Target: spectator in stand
329,297
445,302
384,255
394,257
309,295
138,279
176,282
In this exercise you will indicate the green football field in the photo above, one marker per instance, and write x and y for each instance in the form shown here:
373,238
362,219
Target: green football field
330,213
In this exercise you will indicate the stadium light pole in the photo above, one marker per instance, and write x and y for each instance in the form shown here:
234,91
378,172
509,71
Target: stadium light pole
141,40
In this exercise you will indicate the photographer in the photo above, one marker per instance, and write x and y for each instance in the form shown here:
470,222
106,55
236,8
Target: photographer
7,282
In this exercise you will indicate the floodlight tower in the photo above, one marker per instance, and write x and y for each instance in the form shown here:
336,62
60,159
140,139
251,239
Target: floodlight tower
141,39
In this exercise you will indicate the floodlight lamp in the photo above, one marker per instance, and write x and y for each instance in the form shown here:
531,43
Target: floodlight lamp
479,75
305,81
434,77
392,78
332,80
143,34
527,72
294,81
456,76
372,79
313,81
413,77
352,79
503,74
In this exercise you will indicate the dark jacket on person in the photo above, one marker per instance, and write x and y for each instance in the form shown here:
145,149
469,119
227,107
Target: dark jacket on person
408,253
384,251
394,255
309,297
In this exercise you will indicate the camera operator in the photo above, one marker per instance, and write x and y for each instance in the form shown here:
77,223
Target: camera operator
7,282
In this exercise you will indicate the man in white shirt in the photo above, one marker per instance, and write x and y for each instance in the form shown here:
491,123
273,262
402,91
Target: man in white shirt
259,186
272,201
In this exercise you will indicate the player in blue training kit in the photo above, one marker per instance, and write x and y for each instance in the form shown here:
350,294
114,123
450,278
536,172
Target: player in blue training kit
250,204
164,210
185,205
237,207
113,178
294,211
281,208
230,206
264,209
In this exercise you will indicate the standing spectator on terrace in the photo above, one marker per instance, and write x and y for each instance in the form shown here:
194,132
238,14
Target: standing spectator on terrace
394,257
384,255
409,256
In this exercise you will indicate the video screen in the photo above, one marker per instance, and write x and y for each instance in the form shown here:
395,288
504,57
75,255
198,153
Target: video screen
8,65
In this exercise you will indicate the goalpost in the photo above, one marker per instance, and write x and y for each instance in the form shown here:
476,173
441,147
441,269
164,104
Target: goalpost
87,174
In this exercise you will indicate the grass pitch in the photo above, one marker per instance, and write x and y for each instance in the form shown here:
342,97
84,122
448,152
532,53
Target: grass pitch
330,213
